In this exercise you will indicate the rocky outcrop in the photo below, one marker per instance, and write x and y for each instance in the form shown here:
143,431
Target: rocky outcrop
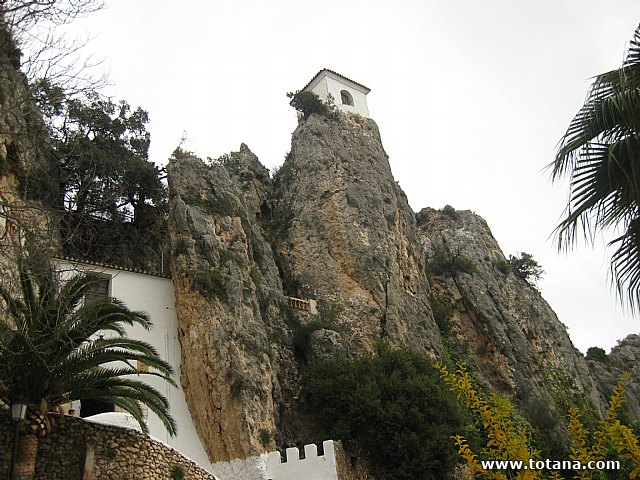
25,166
609,370
498,320
23,136
345,235
236,357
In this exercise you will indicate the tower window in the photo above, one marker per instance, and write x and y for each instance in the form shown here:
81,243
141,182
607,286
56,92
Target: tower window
346,98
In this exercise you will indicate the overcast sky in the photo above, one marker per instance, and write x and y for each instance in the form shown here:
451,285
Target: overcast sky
471,98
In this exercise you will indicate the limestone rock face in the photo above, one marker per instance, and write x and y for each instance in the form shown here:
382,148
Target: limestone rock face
229,303
347,236
624,357
25,166
498,320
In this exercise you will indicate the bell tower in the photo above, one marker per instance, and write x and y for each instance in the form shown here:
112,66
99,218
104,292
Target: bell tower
348,96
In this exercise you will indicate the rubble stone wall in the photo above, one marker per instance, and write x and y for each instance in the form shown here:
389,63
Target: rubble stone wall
76,447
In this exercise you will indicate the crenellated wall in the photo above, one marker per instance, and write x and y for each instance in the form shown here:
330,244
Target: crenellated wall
311,467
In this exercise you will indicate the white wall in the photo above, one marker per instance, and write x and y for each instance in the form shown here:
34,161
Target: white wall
312,467
155,295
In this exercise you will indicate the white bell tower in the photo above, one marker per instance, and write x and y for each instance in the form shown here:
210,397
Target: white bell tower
348,96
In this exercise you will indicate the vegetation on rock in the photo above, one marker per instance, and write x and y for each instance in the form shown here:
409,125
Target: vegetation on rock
442,263
508,438
390,406
525,267
597,354
308,103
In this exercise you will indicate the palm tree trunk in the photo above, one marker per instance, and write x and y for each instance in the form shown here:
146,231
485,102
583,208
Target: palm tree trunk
26,462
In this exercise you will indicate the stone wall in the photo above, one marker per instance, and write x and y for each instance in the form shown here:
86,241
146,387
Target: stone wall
81,450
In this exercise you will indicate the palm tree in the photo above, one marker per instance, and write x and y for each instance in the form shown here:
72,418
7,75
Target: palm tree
600,152
51,353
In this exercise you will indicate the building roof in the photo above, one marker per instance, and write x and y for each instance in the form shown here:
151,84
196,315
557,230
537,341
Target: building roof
338,75
111,266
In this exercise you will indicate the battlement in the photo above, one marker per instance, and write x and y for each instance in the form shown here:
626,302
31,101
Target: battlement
305,305
311,467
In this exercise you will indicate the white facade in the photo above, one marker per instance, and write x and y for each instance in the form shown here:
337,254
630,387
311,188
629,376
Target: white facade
155,295
347,95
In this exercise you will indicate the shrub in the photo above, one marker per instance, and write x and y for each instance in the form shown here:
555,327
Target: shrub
208,282
442,263
230,161
389,406
308,103
525,267
238,387
507,435
450,212
181,247
256,276
596,353
265,437
502,266
111,453
421,217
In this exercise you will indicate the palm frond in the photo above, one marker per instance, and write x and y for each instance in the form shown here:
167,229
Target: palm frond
114,386
59,352
600,152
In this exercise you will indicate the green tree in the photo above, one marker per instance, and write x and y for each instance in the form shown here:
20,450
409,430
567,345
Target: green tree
600,153
51,353
112,197
596,353
307,102
391,407
102,149
525,267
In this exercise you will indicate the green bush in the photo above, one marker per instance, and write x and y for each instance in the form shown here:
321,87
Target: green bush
111,453
502,266
181,247
308,103
265,437
256,276
392,407
421,217
209,282
525,267
442,263
596,353
230,161
450,212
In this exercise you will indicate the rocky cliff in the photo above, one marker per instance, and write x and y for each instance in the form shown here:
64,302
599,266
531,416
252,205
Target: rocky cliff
236,357
609,369
499,321
349,237
332,225
25,163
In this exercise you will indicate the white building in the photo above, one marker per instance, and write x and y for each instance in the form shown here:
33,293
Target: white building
347,95
154,294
